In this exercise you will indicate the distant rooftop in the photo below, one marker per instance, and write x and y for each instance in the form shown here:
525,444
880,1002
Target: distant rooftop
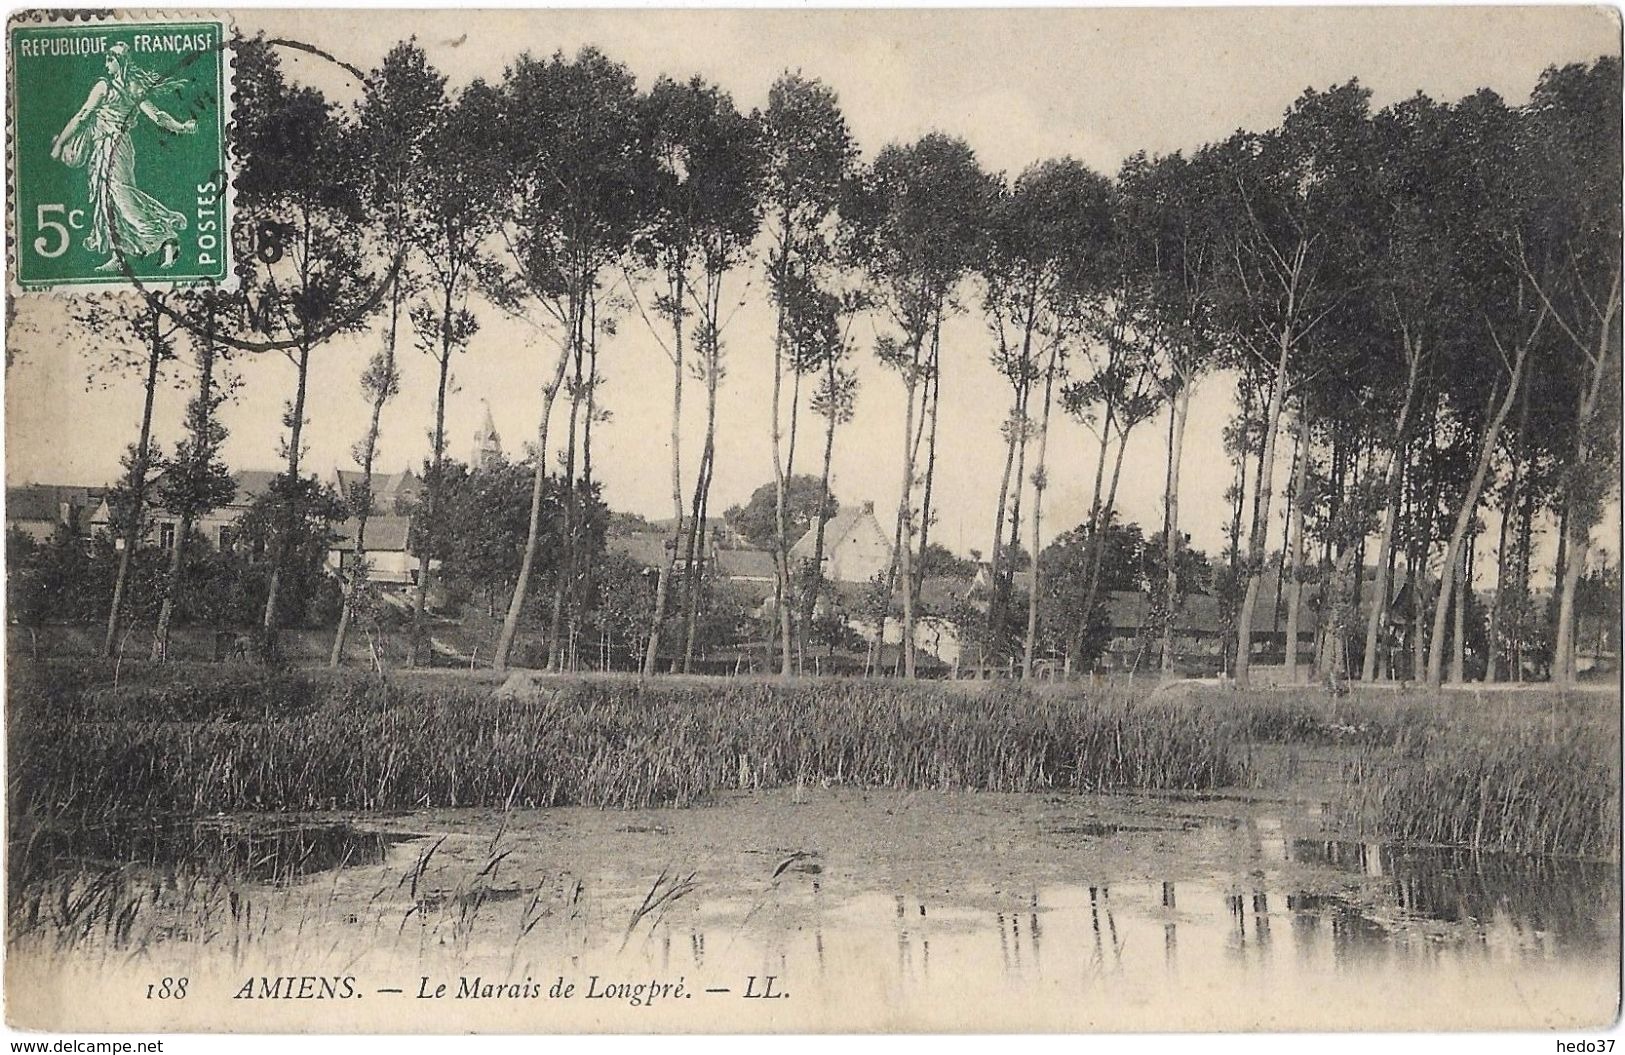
45,501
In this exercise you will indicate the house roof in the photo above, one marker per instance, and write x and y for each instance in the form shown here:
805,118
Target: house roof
1128,610
251,484
837,529
384,534
30,503
746,564
648,548
1020,581
384,485
940,593
45,501
716,528
254,483
1273,619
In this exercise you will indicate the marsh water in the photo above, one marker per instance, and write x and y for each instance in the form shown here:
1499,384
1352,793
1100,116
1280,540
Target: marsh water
843,909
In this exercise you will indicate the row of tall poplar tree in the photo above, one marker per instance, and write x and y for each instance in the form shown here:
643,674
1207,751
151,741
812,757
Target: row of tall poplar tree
1421,301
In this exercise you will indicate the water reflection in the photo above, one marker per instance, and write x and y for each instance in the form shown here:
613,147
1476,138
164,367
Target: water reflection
1400,911
1116,935
1532,899
1316,916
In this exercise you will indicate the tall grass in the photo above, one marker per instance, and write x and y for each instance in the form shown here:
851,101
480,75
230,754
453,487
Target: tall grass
180,912
1534,772
1535,775
1525,787
301,742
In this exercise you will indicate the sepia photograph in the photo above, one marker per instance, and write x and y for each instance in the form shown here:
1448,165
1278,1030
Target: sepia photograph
782,521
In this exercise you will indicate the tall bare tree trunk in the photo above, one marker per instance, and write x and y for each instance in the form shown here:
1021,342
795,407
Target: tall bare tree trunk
1300,479
369,449
587,565
1464,517
1040,482
1093,521
1509,512
810,604
557,633
1523,548
697,563
516,605
1458,652
1492,662
935,381
1097,549
1577,527
177,558
996,558
792,601
1171,536
138,490
1261,514
1238,489
781,548
431,510
1394,473
172,585
289,511
1418,560
1564,670
999,568
692,557
663,577
668,569
905,515
560,628
1012,541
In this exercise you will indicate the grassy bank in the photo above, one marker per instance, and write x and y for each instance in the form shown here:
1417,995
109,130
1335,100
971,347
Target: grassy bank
1535,774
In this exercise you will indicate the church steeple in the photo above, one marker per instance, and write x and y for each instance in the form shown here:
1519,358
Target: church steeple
487,444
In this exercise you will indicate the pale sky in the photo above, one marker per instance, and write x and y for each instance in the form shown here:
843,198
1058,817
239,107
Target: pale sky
1019,86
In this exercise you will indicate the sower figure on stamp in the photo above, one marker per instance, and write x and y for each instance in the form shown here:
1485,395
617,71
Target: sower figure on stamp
124,219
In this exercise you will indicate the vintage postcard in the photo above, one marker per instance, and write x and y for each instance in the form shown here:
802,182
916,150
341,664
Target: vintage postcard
786,521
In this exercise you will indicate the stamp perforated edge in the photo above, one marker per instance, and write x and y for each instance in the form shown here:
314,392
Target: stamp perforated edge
133,17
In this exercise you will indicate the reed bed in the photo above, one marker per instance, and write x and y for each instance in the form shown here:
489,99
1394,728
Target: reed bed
285,921
351,742
1530,773
1542,788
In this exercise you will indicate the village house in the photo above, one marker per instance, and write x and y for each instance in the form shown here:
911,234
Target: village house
389,551
38,510
856,547
647,549
857,554
1136,633
217,527
394,495
751,569
724,553
389,528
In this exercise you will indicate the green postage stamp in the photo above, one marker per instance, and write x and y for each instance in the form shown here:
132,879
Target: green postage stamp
118,165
